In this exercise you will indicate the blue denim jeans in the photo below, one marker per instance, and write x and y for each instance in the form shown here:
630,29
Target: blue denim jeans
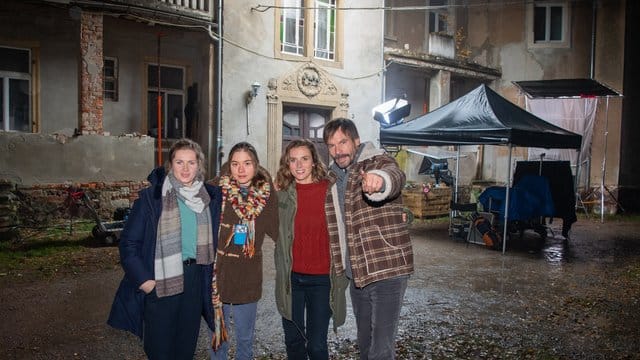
310,292
243,328
377,309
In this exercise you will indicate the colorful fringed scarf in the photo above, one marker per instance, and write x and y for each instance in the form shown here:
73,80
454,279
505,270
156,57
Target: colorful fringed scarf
247,208
168,254
220,330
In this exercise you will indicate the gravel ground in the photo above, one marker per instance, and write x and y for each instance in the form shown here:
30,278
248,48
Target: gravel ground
558,299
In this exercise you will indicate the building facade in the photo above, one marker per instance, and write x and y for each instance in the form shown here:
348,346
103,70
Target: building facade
86,85
438,50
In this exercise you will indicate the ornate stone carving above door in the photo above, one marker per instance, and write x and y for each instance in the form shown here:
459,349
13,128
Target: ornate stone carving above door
307,86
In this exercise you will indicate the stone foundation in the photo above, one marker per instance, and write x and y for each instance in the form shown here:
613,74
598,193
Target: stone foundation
39,205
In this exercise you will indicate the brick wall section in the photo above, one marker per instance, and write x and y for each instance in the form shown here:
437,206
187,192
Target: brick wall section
91,74
48,201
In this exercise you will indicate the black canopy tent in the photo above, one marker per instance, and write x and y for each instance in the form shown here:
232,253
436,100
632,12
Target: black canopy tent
575,89
481,117
564,88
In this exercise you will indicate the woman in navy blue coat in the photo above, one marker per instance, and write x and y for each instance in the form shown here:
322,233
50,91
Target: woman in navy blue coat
167,248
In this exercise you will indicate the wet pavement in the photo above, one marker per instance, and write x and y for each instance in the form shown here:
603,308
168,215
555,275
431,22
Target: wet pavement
553,299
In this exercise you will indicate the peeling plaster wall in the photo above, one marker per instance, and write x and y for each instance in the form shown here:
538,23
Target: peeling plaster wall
53,32
609,69
497,37
32,159
54,36
134,45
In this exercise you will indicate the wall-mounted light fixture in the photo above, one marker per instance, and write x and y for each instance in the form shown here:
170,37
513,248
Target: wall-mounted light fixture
253,92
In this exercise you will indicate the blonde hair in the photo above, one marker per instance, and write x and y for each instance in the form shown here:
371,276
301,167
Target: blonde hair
186,144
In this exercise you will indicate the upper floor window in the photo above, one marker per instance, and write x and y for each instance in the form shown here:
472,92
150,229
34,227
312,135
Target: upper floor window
548,24
292,28
308,29
15,89
438,17
111,78
325,29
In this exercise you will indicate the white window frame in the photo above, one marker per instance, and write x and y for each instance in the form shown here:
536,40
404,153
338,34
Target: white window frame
306,44
6,77
565,42
328,7
297,15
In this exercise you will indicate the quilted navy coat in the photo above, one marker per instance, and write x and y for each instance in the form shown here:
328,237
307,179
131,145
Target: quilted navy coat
138,242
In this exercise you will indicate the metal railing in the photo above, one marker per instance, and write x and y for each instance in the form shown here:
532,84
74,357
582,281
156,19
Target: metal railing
205,6
199,9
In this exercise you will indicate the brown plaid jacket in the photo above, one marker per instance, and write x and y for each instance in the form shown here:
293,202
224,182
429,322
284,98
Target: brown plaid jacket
373,229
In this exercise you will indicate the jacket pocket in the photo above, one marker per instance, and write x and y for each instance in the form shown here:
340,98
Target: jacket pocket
379,254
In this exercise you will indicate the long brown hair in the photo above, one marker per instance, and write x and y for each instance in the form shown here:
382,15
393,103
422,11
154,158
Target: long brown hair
284,178
261,176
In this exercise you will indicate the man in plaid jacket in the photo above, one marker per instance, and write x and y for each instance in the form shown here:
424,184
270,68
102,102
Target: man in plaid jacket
368,236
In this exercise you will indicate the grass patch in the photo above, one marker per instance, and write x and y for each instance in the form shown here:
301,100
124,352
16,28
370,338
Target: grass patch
42,249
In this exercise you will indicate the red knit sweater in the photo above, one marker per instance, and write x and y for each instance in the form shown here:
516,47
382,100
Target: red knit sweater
311,237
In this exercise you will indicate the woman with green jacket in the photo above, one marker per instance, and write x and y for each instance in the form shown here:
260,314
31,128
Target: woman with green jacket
305,276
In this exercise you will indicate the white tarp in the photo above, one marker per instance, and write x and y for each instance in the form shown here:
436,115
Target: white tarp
576,115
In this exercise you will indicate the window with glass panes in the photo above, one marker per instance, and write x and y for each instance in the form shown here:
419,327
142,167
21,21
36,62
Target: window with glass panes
298,18
548,22
110,78
438,17
172,95
15,89
325,30
292,27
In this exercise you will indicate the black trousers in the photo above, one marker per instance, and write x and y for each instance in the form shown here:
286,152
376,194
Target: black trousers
172,323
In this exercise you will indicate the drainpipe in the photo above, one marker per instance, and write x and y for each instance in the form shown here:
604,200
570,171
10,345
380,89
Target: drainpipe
384,70
218,96
593,39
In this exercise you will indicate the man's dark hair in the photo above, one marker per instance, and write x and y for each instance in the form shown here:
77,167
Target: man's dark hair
345,125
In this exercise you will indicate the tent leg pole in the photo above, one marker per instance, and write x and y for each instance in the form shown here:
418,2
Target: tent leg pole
455,198
506,204
604,160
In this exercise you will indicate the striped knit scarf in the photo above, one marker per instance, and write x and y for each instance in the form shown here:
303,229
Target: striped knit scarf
168,256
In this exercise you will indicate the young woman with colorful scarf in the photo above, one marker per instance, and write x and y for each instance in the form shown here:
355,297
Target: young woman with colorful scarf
167,248
308,291
249,212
